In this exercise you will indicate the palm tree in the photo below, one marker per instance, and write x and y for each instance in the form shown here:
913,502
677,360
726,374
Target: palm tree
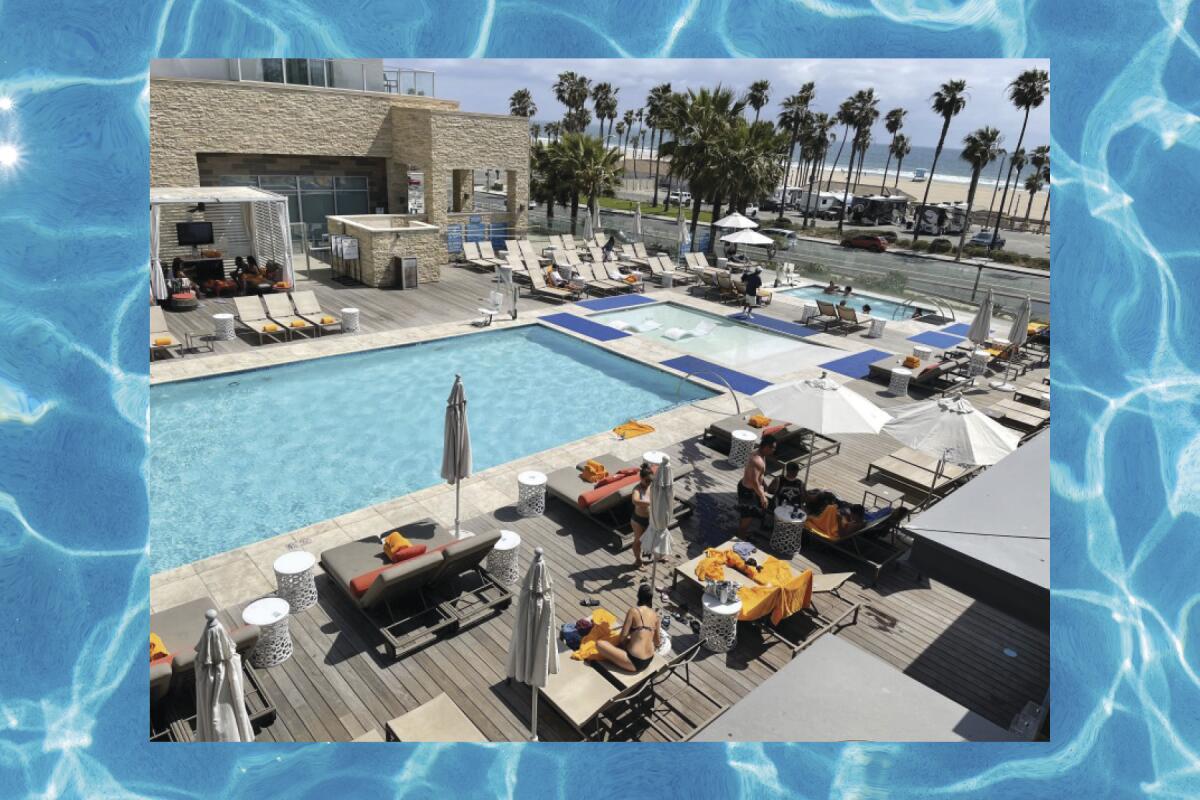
819,136
1027,92
864,111
629,116
656,110
535,130
553,130
791,120
900,148
1018,163
979,149
520,104
893,121
604,101
573,90
1040,159
947,101
845,118
641,113
1046,180
593,169
757,97
704,119
547,183
674,111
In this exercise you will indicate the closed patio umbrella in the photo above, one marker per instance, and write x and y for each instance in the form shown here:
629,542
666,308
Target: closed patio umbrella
658,533
637,220
456,449
823,406
532,655
953,430
504,279
589,227
220,696
685,241
1019,332
735,220
982,324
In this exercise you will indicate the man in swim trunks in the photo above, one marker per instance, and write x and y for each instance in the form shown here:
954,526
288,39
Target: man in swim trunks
751,489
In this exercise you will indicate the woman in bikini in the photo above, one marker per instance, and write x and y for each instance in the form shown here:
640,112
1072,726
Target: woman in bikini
640,520
641,635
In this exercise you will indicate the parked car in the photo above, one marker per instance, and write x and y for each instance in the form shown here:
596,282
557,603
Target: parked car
872,242
889,235
984,239
830,213
752,211
683,198
784,239
770,205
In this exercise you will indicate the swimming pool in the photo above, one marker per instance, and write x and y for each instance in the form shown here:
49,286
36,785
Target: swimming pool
880,307
743,347
239,458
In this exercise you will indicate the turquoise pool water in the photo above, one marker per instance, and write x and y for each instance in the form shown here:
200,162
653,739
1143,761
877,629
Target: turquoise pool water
239,458
880,307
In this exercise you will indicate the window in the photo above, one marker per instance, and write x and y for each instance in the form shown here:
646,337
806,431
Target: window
272,70
297,71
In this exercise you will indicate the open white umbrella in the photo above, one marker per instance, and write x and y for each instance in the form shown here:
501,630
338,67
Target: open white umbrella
748,237
953,430
735,220
221,714
456,448
637,221
532,655
658,532
981,326
823,406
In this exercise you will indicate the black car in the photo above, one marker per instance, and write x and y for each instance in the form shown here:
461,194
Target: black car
770,205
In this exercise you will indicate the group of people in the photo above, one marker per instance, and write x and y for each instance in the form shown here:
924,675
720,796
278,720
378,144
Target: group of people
833,288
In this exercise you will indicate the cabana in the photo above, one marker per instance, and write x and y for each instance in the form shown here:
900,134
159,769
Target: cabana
246,220
991,538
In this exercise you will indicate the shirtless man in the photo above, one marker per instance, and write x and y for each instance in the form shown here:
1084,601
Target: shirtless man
751,489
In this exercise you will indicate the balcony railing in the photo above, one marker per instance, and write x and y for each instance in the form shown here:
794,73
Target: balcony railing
418,82
334,74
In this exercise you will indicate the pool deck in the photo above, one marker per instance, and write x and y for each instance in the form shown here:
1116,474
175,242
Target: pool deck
338,685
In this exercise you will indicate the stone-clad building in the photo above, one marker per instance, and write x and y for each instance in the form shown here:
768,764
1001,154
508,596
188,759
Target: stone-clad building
340,139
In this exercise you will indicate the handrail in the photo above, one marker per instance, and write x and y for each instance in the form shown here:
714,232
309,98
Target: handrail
944,311
736,403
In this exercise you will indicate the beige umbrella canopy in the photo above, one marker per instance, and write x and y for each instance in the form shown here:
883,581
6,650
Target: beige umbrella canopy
532,655
735,220
220,695
748,237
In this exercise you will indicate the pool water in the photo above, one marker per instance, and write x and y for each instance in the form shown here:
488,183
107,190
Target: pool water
239,458
742,347
886,309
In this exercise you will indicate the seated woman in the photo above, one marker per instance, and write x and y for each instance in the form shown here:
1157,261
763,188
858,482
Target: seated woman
641,635
640,519
274,272
251,275
787,489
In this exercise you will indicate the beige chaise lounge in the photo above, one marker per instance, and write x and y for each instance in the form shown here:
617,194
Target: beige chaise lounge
438,720
161,338
309,308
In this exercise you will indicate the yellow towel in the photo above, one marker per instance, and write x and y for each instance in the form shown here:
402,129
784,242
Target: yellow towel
297,323
327,320
163,341
603,623
393,542
632,428
912,362
593,471
270,327
779,592
157,648
759,421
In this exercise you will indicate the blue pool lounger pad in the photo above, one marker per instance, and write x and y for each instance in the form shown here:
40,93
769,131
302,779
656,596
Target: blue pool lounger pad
773,324
857,365
584,327
957,329
616,301
740,381
942,341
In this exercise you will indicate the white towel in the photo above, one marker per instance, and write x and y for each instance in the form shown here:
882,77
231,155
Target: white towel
647,325
675,334
620,325
703,329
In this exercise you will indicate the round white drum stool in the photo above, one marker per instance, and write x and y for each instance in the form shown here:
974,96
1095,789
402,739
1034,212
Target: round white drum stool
877,326
718,628
788,532
979,362
531,493
808,312
274,639
294,579
502,561
349,320
223,327
922,352
741,446
654,457
899,381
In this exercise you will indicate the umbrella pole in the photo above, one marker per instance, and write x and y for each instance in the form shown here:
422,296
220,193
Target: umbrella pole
457,489
533,724
937,473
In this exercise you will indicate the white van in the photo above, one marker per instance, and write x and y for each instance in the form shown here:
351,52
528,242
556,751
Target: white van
682,198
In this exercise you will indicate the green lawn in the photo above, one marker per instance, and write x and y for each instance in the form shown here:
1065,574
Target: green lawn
618,204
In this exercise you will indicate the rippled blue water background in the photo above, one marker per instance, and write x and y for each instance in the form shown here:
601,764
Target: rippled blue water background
73,394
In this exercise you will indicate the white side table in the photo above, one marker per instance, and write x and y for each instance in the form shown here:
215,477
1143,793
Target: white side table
502,561
274,639
922,352
877,326
531,493
979,362
808,312
668,279
294,579
654,457
788,533
223,327
899,381
741,446
718,628
349,320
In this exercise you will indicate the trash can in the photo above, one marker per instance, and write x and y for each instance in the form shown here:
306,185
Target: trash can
404,272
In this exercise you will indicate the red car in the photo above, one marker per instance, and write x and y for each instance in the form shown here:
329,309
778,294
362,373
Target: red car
876,243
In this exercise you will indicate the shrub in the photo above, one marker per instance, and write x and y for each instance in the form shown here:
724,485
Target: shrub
920,245
940,246
783,223
810,268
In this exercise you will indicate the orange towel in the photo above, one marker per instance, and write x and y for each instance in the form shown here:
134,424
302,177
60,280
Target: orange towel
593,471
759,421
780,592
157,648
604,623
632,428
270,327
631,279
912,362
827,524
297,323
393,543
163,341
327,320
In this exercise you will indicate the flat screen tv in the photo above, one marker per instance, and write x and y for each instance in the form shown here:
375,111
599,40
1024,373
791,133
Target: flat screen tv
192,233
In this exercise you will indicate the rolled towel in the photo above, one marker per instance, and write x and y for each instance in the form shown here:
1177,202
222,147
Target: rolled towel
675,334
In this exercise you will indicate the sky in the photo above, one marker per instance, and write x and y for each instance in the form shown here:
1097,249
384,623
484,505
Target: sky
484,85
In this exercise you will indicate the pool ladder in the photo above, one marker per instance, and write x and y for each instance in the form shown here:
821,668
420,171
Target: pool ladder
702,374
943,311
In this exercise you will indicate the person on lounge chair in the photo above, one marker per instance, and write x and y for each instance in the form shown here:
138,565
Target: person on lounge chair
641,635
751,491
640,520
851,519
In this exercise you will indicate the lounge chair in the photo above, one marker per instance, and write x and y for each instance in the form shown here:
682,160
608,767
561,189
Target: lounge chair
309,308
556,242
472,258
794,442
529,254
613,272
568,242
252,315
161,338
725,286
765,296
597,256
1033,393
861,545
945,376
280,310
1021,416
659,265
696,261
826,316
851,318
438,720
542,289
916,471
609,506
599,239
413,602
638,255
708,280
823,583
488,254
599,282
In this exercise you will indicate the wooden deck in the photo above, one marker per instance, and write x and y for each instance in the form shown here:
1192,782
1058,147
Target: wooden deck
338,684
